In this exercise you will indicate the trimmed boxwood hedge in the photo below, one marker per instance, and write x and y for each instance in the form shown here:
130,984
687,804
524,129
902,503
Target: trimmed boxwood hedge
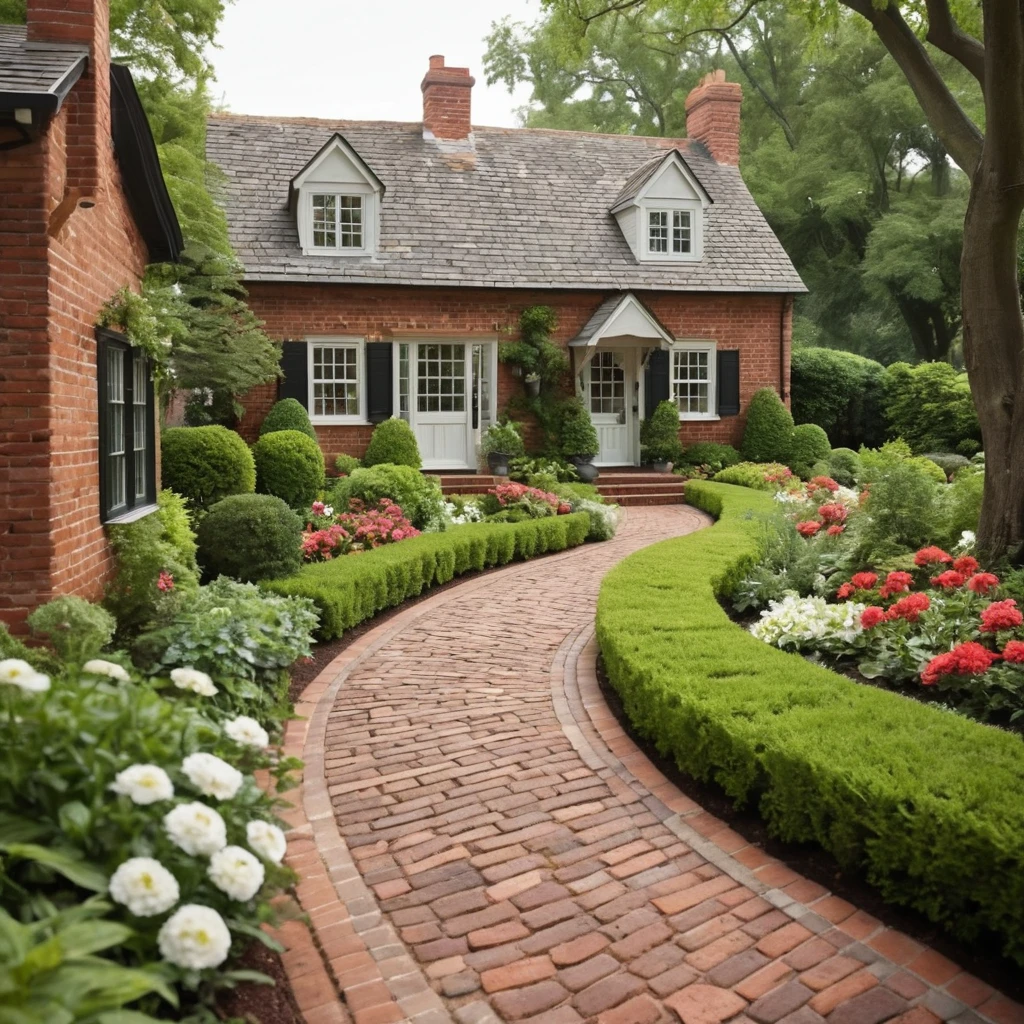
928,804
350,589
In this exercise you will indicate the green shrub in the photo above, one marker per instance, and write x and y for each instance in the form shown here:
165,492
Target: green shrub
927,804
808,445
503,439
524,468
714,456
40,658
250,537
930,407
346,465
904,510
761,476
844,466
162,542
393,442
769,428
962,501
289,466
659,434
842,393
949,463
577,436
76,629
205,464
288,414
418,494
349,590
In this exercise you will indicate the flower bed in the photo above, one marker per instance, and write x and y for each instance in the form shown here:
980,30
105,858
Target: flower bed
349,590
927,804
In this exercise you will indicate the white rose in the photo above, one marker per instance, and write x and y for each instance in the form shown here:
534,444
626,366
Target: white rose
196,829
236,872
247,731
212,776
195,938
328,510
21,674
144,886
99,667
267,840
143,784
194,680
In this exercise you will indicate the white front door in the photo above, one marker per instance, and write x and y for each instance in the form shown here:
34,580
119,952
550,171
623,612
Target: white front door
441,416
610,400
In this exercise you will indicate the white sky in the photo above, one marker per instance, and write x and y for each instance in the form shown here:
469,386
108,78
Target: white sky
357,60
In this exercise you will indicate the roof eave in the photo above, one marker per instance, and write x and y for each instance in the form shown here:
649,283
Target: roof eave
50,101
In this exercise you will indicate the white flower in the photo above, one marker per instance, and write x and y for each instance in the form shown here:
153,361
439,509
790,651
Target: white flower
194,680
195,938
144,886
143,783
196,829
212,776
236,872
809,623
966,541
267,840
328,510
21,674
99,667
247,731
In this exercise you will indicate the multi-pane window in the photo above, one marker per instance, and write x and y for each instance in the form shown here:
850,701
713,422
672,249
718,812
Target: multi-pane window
441,378
657,231
335,380
669,232
680,231
337,221
692,380
126,421
607,383
403,382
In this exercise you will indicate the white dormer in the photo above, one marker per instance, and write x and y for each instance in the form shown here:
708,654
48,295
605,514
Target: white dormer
336,198
660,211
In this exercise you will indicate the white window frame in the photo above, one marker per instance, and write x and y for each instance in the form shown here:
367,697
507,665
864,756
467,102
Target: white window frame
359,344
369,225
670,207
711,348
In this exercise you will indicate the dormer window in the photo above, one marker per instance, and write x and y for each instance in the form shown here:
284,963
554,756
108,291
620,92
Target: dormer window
668,231
337,221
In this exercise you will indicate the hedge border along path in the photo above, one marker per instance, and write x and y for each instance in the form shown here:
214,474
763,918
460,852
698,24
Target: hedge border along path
930,804
349,590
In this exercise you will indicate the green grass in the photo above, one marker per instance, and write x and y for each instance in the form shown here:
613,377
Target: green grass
354,588
930,806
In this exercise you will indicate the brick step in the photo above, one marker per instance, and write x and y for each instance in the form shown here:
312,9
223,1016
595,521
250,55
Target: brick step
661,487
649,499
636,478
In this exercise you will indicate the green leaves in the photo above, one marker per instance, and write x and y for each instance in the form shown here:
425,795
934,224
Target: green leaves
67,862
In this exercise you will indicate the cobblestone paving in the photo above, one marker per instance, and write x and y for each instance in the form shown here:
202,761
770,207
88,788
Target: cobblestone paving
537,883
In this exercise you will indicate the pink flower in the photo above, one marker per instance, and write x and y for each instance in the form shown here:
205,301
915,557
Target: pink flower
822,483
165,581
318,508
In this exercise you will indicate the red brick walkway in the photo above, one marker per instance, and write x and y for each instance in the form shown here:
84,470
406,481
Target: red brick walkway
498,849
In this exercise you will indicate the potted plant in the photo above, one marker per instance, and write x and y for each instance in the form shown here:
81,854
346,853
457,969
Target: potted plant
533,384
501,443
659,437
579,439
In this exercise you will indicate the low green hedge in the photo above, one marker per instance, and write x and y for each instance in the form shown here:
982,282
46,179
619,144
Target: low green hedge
350,589
929,805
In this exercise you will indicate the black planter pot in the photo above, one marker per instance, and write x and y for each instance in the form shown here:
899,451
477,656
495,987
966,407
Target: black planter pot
585,468
497,463
661,467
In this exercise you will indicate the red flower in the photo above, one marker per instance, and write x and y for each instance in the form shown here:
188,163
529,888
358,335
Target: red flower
845,591
1001,615
165,581
949,580
909,607
896,583
833,512
834,530
864,580
822,483
872,616
969,659
932,556
564,508
966,564
982,582
808,528
1013,652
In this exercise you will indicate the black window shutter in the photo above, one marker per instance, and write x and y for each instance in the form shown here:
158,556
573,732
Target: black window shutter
295,366
656,384
379,384
728,383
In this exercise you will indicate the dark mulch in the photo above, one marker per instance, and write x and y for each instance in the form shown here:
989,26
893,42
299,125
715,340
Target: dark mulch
261,1004
982,957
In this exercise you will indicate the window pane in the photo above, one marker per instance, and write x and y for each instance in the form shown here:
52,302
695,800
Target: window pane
607,383
350,221
441,378
140,426
116,485
691,388
336,380
324,230
657,231
681,231
403,382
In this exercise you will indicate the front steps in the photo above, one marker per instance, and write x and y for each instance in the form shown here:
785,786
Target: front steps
622,486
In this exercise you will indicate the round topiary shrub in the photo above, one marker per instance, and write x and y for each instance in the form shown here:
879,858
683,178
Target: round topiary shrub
250,537
418,495
844,466
206,464
290,466
288,414
948,462
393,442
345,465
808,445
769,428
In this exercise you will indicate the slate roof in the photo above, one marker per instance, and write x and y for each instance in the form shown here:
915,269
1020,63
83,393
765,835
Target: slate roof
36,75
531,213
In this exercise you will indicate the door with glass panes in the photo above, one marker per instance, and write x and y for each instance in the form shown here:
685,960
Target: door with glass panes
609,398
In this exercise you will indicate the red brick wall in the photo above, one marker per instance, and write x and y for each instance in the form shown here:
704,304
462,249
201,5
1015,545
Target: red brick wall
758,325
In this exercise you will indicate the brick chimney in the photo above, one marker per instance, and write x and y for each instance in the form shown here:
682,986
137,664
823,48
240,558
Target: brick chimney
713,117
446,100
82,23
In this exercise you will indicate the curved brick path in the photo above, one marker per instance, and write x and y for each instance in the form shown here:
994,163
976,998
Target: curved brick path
502,851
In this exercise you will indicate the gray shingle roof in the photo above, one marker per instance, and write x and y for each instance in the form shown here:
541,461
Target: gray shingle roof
37,75
531,213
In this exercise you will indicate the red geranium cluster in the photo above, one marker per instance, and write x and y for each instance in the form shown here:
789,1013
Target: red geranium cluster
896,583
932,556
832,515
808,528
949,580
323,545
822,483
968,659
982,582
908,608
1001,615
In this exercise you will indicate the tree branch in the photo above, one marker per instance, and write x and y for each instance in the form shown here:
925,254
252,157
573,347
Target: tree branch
946,34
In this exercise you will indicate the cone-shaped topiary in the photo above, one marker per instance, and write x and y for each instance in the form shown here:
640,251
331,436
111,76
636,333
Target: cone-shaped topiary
807,445
659,434
250,537
769,428
577,435
288,414
290,466
205,464
393,441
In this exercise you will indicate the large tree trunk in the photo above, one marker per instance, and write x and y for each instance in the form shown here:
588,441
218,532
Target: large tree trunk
994,352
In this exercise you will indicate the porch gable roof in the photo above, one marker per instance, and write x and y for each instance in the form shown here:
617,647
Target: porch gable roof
622,315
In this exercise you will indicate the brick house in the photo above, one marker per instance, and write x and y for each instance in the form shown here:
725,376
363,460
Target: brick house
392,258
83,209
